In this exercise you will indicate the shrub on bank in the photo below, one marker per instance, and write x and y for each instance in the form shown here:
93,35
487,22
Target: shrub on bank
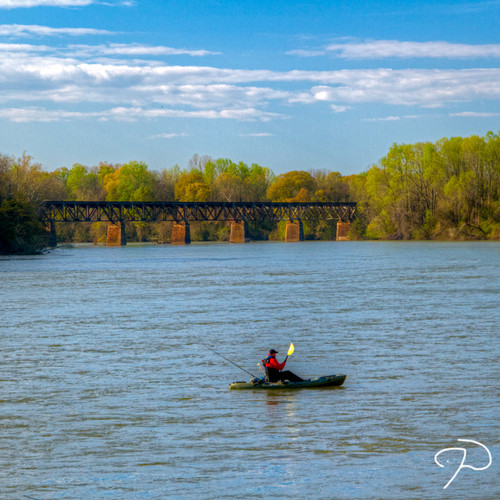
21,231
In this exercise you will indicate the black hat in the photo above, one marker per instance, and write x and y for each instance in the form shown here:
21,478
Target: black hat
272,351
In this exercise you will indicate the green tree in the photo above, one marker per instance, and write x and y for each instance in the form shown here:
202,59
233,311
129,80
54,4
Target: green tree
130,182
377,194
228,187
84,184
164,185
257,182
31,183
330,187
5,177
238,181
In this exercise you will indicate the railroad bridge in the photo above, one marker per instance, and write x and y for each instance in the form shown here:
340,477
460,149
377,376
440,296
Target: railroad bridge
238,214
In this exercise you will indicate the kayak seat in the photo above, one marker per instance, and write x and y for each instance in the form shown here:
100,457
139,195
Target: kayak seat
266,370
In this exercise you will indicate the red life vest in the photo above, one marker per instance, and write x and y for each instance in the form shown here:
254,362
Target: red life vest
271,362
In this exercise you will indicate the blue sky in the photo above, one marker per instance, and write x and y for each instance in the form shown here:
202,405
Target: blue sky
286,84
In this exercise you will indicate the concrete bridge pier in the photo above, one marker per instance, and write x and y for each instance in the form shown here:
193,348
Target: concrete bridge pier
294,231
239,232
343,231
115,236
181,233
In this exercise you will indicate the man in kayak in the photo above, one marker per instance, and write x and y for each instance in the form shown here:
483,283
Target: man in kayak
274,369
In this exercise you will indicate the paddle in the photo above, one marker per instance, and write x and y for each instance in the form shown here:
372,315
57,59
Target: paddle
290,351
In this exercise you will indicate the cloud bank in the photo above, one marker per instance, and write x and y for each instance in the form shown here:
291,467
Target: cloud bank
132,81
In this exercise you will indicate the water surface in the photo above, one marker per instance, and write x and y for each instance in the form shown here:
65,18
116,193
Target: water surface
108,391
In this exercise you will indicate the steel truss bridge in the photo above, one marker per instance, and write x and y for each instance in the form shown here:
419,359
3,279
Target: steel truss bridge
155,211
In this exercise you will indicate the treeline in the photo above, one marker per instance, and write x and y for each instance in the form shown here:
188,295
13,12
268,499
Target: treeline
444,190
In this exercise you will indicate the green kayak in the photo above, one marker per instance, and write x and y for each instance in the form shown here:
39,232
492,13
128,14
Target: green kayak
327,381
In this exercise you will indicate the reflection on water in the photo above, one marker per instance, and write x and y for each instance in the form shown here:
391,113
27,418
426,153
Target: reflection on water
107,389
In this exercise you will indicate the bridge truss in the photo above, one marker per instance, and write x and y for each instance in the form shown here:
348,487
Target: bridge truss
154,211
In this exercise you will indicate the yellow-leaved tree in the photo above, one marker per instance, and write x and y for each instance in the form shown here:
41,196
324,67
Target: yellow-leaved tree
294,186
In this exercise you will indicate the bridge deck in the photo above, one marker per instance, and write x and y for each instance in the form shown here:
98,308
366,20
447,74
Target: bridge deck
151,211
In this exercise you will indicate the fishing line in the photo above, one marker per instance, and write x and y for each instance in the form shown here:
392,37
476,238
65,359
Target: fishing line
232,362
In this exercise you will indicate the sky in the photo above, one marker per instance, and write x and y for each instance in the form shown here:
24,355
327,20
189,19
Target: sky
287,84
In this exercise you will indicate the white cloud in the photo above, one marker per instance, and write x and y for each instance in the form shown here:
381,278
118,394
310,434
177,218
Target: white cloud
384,119
211,95
472,7
409,87
339,109
122,49
475,114
257,134
394,118
12,50
382,49
306,53
130,114
18,30
14,4
170,135
21,115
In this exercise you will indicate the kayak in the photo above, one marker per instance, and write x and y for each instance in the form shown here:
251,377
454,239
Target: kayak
311,383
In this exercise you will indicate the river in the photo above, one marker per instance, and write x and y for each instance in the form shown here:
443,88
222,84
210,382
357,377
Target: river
108,388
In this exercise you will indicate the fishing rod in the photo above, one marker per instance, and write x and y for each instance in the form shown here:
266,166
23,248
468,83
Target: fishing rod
232,362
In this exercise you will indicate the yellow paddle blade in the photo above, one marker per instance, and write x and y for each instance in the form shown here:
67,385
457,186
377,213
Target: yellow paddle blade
290,350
